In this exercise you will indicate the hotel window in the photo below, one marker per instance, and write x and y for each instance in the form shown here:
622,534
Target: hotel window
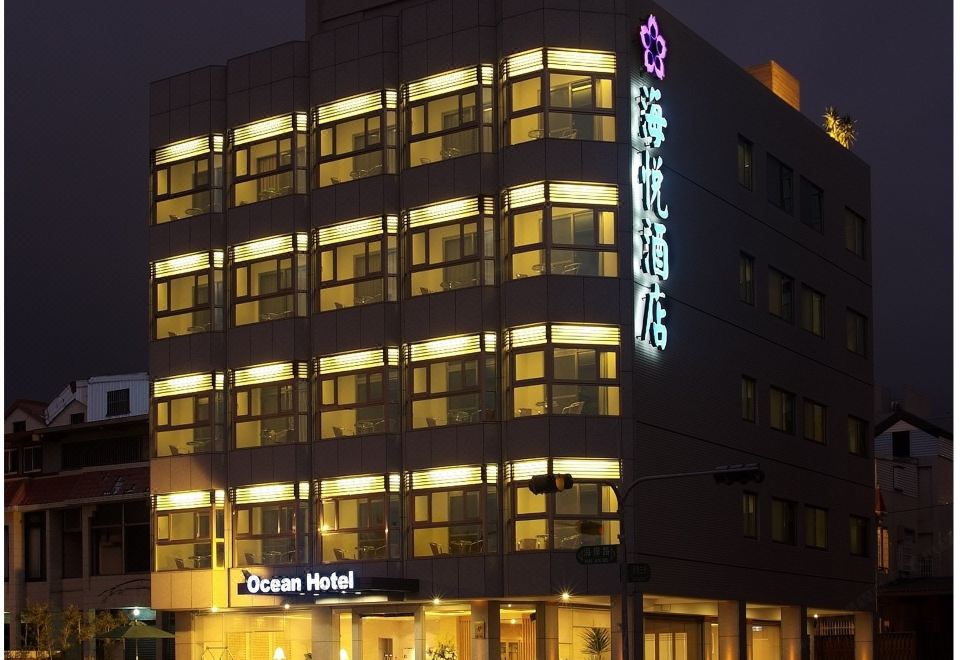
357,263
449,115
188,414
11,461
270,404
856,436
32,459
811,205
748,399
270,524
452,380
35,546
585,514
356,137
855,233
749,511
814,421
811,310
269,279
815,520
189,530
745,162
573,87
561,229
563,369
784,521
359,518
269,158
359,393
187,294
450,245
181,181
453,511
747,286
856,332
858,536
779,185
120,538
780,295
782,408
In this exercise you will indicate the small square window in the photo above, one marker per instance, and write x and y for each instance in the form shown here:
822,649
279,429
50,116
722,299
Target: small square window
118,402
19,427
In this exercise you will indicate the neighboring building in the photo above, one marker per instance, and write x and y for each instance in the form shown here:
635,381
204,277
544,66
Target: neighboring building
401,267
76,501
914,467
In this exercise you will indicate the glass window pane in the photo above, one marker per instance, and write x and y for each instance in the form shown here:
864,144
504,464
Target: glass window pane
525,94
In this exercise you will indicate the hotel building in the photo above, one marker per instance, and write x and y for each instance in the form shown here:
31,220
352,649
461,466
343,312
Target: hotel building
439,247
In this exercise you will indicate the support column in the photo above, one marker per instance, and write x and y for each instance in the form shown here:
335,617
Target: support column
356,628
863,635
325,634
485,630
732,629
419,634
793,633
635,626
184,635
548,636
616,640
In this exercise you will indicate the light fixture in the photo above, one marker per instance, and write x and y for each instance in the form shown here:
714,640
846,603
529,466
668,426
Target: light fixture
436,600
136,612
513,621
343,654
278,654
565,595
214,609
286,606
816,616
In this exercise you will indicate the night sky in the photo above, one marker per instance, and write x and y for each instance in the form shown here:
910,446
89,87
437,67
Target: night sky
77,78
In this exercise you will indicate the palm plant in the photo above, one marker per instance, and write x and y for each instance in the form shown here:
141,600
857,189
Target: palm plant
596,642
842,128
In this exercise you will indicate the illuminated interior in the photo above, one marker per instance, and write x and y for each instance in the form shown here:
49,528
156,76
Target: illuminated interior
270,405
359,393
453,511
357,263
189,530
269,159
270,524
270,279
359,518
183,300
356,138
181,181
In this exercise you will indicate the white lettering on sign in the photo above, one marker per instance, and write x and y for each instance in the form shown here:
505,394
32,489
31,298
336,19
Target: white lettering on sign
315,583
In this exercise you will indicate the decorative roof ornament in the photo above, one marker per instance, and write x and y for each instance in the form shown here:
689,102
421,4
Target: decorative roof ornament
654,48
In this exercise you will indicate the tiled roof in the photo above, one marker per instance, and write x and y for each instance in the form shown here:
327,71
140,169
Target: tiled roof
98,484
33,408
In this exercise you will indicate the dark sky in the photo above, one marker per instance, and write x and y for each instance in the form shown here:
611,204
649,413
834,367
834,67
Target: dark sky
76,88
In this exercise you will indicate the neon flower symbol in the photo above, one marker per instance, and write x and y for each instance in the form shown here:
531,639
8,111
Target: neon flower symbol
654,48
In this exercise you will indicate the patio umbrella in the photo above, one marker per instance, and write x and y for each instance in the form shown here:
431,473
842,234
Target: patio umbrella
135,630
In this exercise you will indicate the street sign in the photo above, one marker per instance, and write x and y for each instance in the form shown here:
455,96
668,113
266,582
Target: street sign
597,554
638,572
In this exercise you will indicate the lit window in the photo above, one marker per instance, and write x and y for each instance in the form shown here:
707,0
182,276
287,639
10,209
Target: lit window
748,399
779,185
855,233
815,526
811,205
747,287
269,279
184,302
573,87
858,537
270,409
450,245
355,138
357,263
359,393
181,180
811,311
270,524
745,162
188,414
269,159
856,436
449,115
781,410
780,295
784,521
359,518
814,421
856,333
189,530
749,511
562,229
453,511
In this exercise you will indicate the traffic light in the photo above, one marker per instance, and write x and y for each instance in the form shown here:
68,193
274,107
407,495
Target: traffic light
738,474
549,483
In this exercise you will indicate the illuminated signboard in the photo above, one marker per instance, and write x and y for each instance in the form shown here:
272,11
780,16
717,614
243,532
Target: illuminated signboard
323,584
654,261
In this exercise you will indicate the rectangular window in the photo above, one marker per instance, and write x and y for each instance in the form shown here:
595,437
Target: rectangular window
459,390
784,521
363,524
32,458
781,410
187,299
858,536
272,288
814,421
749,510
76,418
270,533
900,443
748,399
780,295
747,287
811,205
811,311
574,88
357,401
269,159
187,179
35,545
745,162
856,333
779,185
11,461
815,527
354,272
355,138
118,402
19,426
189,424
120,538
270,413
72,543
189,532
855,232
453,520
856,436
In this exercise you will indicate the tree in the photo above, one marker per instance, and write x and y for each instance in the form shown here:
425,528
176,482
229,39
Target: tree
596,642
843,128
39,629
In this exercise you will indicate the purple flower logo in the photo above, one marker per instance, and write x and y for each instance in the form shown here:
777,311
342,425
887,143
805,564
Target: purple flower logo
654,48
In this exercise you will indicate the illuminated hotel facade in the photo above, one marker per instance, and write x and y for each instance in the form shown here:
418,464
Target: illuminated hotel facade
401,267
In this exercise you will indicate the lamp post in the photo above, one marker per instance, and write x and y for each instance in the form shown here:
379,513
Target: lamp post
724,474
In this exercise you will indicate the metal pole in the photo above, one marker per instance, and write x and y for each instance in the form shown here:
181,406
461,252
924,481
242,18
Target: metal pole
624,585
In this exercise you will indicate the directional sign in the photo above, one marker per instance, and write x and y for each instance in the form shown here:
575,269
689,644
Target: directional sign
638,572
597,554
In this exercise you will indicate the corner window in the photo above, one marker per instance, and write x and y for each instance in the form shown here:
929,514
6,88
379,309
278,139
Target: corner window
359,518
269,279
784,521
811,311
453,511
747,288
779,185
856,333
782,409
11,461
814,421
858,537
562,229
187,179
270,404
189,530
270,524
188,414
855,233
745,162
187,294
856,436
120,538
811,205
118,402
269,159
748,399
749,511
356,138
357,263
780,295
449,115
815,527
359,393
573,88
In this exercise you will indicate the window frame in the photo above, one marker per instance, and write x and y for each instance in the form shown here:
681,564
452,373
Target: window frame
31,459
812,311
295,287
747,285
811,204
749,509
216,407
214,539
298,535
327,280
486,371
748,383
388,529
125,528
745,162
811,430
387,134
860,525
855,233
388,401
482,491
783,297
213,186
11,460
788,528
35,520
856,333
856,446
780,184
297,411
788,411
296,164
816,522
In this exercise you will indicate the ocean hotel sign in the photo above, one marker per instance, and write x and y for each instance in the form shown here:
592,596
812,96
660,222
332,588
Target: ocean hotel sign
311,582
654,252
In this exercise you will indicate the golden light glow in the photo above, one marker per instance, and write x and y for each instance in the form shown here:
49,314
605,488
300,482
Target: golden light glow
218,497
446,477
530,335
575,59
354,230
523,470
218,258
352,106
490,342
393,357
523,63
450,81
266,128
588,468
264,493
352,486
263,373
219,379
371,359
191,148
180,385
268,247
441,348
584,333
187,263
596,194
393,482
192,499
492,472
528,195
448,210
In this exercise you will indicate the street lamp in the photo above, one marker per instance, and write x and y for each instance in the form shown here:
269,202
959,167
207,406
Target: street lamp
725,474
